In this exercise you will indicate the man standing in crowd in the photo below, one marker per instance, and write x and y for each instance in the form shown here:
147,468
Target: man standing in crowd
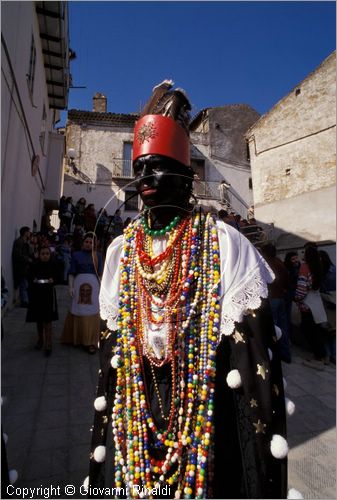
21,260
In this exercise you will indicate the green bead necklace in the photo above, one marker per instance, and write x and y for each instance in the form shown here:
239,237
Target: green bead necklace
160,232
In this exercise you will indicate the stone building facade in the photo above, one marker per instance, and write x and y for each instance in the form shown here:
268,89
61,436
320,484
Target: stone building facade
293,161
98,161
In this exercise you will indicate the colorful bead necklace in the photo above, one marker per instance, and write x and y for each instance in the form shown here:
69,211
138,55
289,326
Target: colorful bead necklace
174,298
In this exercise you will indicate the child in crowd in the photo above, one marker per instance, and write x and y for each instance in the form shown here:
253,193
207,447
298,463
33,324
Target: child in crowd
42,308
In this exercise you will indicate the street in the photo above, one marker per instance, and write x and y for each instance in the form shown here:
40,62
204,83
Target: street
47,413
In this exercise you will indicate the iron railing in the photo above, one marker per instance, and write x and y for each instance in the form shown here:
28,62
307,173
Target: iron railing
122,168
207,189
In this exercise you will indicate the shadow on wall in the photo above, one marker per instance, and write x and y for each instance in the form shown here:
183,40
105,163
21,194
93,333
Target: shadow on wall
103,174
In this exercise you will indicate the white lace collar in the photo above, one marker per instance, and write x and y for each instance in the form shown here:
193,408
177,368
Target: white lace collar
244,277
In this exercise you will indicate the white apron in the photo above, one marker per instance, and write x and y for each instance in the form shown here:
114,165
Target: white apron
85,299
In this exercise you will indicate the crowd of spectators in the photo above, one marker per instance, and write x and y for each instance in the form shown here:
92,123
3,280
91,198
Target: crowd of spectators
308,286
84,217
248,227
76,220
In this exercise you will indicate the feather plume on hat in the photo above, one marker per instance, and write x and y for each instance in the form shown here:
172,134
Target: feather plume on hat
171,103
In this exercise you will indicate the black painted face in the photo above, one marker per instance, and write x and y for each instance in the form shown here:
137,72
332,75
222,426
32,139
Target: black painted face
161,182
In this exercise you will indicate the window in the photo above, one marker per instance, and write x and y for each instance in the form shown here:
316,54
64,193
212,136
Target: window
131,201
250,183
127,159
32,62
199,168
247,151
43,128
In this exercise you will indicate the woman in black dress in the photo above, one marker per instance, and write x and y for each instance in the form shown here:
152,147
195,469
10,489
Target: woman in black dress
42,308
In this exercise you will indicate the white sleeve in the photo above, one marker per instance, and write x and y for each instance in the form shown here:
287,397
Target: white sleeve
244,277
109,292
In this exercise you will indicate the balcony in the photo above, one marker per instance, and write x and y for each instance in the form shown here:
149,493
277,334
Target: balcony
122,169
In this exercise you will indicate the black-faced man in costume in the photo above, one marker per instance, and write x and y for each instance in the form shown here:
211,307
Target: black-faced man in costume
190,400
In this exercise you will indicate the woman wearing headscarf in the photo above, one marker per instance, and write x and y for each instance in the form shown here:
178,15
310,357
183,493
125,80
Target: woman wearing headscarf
82,323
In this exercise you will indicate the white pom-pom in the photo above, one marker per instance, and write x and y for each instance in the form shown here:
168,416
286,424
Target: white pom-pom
290,406
278,332
234,379
86,484
5,436
293,494
279,446
13,476
99,454
100,403
284,383
270,352
115,361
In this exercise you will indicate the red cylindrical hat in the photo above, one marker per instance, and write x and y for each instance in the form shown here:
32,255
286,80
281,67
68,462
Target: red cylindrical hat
160,135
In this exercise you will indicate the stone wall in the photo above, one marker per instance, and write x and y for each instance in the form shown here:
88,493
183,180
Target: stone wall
292,147
99,157
99,150
293,158
227,128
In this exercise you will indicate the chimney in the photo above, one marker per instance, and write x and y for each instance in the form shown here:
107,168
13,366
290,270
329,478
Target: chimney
99,103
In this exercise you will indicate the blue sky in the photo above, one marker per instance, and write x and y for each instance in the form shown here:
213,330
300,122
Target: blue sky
219,52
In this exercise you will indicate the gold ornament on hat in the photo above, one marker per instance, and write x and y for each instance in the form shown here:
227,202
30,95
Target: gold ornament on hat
147,131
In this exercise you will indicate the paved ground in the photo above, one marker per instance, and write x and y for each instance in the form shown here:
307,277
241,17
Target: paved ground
47,412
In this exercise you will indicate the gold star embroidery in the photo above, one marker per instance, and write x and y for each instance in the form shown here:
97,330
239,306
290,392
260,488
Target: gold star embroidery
105,334
238,337
105,419
274,338
259,427
253,403
276,390
102,432
261,370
